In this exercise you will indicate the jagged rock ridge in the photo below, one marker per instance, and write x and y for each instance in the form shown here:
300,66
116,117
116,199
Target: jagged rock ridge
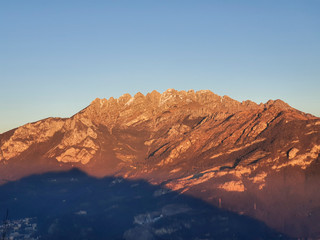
193,142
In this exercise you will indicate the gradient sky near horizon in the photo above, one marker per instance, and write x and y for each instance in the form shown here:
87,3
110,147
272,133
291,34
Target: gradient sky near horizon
58,56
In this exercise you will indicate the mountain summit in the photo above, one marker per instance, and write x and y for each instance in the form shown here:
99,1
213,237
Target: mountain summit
261,160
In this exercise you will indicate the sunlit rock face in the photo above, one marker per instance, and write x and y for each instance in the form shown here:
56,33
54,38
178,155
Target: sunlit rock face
251,156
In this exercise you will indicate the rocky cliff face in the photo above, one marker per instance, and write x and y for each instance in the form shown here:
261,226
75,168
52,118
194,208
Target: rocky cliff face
260,160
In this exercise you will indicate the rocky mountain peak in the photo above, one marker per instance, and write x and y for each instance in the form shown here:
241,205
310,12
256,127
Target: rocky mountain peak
169,98
277,103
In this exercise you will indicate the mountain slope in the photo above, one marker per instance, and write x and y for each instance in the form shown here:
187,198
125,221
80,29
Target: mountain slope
260,160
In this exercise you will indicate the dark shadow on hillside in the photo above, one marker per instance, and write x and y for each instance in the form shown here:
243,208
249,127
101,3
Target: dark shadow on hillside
73,205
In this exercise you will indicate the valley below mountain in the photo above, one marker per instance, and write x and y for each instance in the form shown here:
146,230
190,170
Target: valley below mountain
259,162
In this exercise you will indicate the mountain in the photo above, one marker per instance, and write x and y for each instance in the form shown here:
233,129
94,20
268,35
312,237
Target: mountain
260,160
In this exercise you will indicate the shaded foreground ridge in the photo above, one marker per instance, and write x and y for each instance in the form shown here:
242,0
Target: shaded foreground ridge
73,205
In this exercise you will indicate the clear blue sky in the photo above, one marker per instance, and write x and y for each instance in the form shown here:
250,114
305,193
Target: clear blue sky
57,56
